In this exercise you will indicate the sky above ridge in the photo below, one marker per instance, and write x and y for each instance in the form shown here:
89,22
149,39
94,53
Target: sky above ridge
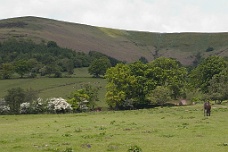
139,15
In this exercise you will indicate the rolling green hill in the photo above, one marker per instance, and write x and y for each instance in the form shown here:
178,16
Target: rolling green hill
124,45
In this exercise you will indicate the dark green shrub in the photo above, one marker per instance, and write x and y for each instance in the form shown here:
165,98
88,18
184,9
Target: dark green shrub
135,148
209,49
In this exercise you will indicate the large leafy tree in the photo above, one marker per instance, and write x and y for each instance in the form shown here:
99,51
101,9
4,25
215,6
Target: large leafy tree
22,67
120,85
218,88
85,97
92,92
204,72
143,85
168,72
77,99
129,85
99,66
67,65
14,98
160,95
7,69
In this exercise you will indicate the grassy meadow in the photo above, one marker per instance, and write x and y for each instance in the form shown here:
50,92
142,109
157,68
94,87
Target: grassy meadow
56,87
179,129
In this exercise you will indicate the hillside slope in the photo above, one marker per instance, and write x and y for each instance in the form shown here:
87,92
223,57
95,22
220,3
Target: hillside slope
124,45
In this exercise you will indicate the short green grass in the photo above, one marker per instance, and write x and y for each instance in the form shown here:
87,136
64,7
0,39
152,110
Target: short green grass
179,129
56,87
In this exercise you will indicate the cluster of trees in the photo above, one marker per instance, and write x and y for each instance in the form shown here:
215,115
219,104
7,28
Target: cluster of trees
15,97
99,66
28,58
85,98
211,77
20,101
139,85
136,85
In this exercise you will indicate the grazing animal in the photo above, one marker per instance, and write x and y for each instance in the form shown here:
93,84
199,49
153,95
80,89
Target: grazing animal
207,108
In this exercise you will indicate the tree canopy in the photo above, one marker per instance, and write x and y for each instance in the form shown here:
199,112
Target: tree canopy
27,58
139,85
204,72
130,84
99,66
84,98
14,98
218,86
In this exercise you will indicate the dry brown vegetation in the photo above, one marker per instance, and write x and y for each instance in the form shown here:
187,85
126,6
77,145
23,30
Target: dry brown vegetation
121,44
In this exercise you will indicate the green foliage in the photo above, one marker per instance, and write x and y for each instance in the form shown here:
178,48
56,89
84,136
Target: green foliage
69,149
202,74
39,106
169,72
52,44
166,71
84,98
55,87
77,98
195,95
197,60
209,49
4,108
31,95
14,98
32,58
142,84
92,92
7,70
114,98
143,60
120,83
160,95
99,66
21,67
129,85
97,55
218,88
67,65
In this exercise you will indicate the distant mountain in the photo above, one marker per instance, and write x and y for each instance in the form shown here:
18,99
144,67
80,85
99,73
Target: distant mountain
124,45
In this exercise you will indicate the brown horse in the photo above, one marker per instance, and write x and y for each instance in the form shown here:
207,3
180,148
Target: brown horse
207,108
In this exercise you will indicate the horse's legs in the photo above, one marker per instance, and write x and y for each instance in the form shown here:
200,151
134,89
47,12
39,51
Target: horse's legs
208,112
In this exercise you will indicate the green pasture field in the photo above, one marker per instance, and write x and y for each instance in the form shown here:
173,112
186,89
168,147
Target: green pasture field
56,87
168,129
